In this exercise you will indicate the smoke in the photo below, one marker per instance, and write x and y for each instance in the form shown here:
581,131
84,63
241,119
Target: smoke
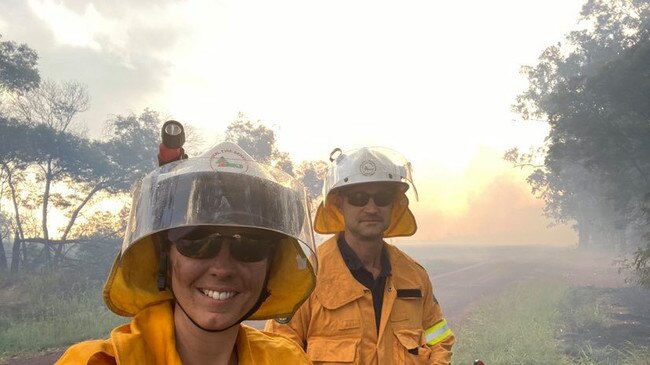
119,49
502,213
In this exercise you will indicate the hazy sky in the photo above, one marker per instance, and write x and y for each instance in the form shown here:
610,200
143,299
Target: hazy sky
432,79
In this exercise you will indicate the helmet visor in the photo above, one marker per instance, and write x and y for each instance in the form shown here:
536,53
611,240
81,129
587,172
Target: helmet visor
200,192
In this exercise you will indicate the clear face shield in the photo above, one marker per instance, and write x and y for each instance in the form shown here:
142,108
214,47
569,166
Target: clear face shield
223,192
220,190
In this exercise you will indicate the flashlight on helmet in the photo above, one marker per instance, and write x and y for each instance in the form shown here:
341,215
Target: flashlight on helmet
173,138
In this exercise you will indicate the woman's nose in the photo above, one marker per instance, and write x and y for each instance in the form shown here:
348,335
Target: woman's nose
223,263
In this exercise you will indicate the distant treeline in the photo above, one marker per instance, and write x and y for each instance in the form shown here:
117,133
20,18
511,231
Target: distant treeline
54,180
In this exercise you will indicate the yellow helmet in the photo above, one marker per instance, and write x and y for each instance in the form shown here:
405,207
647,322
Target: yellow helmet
367,165
224,187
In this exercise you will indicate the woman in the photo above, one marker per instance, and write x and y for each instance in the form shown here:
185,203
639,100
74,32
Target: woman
211,241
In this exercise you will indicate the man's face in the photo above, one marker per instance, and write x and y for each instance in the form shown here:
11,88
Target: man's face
367,209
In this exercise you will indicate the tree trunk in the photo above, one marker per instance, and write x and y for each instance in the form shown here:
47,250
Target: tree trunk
15,255
3,257
12,188
46,199
584,235
58,253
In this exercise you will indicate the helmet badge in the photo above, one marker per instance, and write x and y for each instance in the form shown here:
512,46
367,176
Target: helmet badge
368,168
227,159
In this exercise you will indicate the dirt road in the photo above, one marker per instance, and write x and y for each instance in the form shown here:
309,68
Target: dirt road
464,277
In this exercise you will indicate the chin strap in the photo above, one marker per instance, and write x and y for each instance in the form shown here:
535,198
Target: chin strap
263,296
162,265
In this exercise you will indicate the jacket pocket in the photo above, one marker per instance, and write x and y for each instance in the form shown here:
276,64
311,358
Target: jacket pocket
332,351
409,347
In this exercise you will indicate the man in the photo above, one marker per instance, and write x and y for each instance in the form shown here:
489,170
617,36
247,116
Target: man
372,303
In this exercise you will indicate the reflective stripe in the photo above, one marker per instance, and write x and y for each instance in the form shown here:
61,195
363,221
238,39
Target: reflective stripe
437,333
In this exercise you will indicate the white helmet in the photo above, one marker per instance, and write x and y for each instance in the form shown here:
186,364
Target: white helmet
367,165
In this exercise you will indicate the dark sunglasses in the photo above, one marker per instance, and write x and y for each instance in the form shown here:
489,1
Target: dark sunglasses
205,245
381,198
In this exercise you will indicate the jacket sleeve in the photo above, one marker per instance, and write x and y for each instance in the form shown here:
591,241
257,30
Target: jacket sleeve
438,334
297,328
95,352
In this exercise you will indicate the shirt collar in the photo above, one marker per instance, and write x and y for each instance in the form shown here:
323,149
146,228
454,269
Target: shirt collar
353,262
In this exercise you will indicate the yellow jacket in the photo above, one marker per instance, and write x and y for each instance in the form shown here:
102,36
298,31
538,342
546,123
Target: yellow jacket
337,323
149,339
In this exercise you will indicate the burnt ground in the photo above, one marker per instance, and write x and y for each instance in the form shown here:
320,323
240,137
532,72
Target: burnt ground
626,325
465,277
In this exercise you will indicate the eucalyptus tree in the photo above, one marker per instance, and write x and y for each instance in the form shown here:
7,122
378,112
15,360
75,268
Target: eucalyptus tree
82,169
259,141
18,67
18,74
50,109
593,90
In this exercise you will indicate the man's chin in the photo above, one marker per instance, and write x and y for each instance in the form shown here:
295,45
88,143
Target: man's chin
373,235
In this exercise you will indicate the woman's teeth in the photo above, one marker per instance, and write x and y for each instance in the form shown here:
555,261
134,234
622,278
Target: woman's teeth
219,295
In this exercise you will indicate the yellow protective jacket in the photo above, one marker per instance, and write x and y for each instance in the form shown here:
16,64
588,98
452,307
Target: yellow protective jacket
337,323
149,339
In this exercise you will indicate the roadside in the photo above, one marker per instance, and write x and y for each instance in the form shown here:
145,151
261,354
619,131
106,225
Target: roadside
464,278
607,325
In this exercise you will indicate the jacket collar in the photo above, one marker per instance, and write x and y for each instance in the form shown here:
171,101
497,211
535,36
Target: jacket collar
149,339
335,285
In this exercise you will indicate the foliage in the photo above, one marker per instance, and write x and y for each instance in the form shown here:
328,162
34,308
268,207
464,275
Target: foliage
50,167
596,330
546,322
131,147
50,311
94,256
593,92
517,327
52,104
312,174
640,263
259,142
18,72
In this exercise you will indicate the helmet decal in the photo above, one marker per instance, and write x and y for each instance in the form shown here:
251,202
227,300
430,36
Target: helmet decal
368,168
228,159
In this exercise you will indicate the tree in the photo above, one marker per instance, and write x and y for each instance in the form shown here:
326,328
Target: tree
79,170
312,174
51,108
15,154
258,141
53,104
18,72
595,98
5,233
104,232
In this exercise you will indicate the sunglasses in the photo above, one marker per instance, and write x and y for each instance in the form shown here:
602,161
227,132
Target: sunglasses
243,248
361,198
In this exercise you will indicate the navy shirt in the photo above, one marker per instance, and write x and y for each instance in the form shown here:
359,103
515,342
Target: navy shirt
364,276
